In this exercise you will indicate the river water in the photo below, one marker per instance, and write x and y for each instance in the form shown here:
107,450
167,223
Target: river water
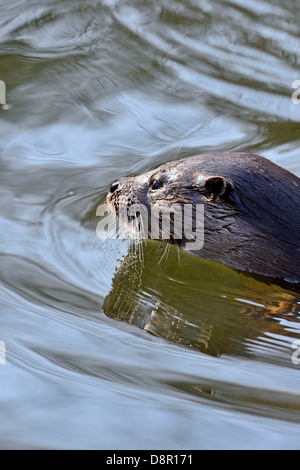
102,352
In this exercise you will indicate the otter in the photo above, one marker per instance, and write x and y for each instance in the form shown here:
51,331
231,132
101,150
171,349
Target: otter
251,209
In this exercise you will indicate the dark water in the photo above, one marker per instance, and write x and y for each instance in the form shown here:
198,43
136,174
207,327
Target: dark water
189,355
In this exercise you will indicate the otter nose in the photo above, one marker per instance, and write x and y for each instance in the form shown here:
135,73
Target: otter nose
113,187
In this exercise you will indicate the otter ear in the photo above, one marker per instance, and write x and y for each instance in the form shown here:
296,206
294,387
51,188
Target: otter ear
217,186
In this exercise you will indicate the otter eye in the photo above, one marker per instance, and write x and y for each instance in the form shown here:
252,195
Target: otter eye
155,184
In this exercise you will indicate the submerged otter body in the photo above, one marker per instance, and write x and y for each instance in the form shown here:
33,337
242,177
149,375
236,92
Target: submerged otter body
251,209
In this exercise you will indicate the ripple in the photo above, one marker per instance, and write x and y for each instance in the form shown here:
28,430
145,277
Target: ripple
191,355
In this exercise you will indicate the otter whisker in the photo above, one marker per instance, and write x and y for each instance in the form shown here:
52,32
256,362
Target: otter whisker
140,250
178,254
161,244
168,250
138,243
164,254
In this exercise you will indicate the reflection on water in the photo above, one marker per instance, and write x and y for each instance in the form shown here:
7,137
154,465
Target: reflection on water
204,305
96,91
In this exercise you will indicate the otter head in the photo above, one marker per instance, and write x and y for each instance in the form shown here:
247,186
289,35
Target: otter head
170,188
250,223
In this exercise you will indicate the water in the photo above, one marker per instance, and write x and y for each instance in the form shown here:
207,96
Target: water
189,355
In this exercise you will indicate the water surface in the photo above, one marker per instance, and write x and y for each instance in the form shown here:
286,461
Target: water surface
175,355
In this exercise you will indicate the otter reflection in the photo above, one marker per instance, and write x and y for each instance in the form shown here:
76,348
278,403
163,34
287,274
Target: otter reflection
199,304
